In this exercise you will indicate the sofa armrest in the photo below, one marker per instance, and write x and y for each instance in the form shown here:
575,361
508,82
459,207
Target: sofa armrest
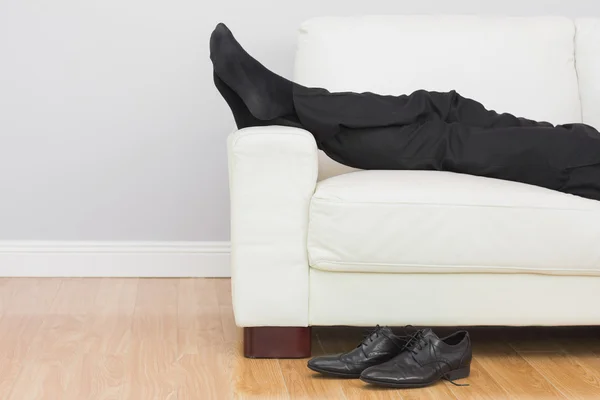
272,177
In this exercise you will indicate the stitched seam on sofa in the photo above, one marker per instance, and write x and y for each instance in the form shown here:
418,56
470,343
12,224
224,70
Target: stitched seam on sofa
342,202
319,264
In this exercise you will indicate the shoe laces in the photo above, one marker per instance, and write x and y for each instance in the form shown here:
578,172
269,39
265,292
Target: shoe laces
437,367
452,381
416,343
371,335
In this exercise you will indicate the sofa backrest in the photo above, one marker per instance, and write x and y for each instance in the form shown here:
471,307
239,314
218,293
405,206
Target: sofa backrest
525,66
587,52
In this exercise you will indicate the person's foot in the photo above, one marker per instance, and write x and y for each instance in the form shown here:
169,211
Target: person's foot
379,346
265,94
243,117
425,360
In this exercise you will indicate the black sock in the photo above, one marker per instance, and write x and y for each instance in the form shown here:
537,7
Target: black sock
241,114
243,117
266,95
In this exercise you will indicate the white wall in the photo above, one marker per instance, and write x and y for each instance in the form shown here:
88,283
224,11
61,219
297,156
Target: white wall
110,127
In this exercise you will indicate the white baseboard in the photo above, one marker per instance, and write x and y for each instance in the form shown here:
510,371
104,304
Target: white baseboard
114,259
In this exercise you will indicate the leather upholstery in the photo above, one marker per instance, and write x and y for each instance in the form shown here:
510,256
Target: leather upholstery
366,299
430,221
454,223
587,50
273,172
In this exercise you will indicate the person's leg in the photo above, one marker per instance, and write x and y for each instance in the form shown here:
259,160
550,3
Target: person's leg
256,94
424,130
266,96
517,154
583,181
583,169
325,113
551,157
472,113
388,148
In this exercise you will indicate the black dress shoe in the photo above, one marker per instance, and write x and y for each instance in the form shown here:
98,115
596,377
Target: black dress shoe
379,346
425,360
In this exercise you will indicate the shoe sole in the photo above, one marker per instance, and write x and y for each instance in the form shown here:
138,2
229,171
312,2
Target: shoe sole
334,374
452,375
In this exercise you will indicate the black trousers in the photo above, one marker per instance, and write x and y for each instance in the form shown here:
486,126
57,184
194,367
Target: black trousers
447,132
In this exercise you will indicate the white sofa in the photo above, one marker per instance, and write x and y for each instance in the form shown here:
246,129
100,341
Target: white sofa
317,243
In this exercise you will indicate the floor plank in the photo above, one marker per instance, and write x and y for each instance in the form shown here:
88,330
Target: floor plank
207,374
149,371
199,316
573,379
437,391
223,287
75,296
481,385
28,296
54,361
302,383
516,376
110,339
10,368
257,378
231,333
153,351
56,378
110,323
102,377
25,304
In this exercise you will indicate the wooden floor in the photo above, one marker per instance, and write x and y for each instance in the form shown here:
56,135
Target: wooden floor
146,339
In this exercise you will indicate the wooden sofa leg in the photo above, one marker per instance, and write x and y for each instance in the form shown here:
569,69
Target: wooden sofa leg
277,342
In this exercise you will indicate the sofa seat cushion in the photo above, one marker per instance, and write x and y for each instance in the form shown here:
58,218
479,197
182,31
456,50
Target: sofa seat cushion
443,222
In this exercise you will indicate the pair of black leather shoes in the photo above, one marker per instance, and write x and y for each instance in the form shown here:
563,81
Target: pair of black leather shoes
411,361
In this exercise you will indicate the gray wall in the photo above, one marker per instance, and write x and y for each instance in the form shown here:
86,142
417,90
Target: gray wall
110,128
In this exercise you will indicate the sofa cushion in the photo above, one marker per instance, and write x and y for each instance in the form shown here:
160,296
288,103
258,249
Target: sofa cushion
588,68
429,221
525,66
